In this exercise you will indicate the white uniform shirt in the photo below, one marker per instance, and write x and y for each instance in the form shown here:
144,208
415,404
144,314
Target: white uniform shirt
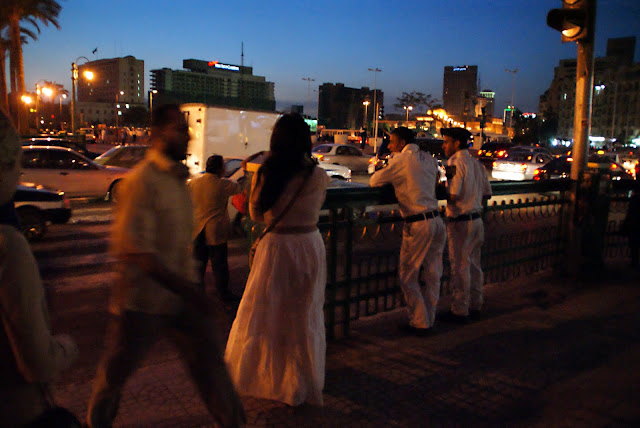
413,174
468,181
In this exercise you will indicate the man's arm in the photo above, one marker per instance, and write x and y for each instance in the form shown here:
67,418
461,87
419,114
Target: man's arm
385,175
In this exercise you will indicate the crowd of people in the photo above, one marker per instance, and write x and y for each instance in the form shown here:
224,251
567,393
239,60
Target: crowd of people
164,234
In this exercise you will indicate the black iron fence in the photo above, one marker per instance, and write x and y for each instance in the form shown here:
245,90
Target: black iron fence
524,234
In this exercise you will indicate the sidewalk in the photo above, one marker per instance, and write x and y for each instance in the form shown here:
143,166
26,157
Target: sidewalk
548,352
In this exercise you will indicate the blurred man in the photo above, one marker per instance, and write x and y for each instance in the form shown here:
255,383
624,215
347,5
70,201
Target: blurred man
414,175
157,291
467,187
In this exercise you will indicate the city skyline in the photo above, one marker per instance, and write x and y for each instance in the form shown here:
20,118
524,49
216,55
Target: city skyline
330,42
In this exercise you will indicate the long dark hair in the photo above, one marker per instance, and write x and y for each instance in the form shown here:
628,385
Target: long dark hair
290,153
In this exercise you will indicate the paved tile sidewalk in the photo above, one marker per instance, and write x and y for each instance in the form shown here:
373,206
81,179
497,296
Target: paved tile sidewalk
548,352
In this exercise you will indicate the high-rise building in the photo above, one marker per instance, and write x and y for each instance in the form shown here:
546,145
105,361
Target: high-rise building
213,83
116,81
341,107
616,94
459,90
486,99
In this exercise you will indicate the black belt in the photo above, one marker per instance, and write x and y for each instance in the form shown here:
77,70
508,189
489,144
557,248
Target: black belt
421,216
464,217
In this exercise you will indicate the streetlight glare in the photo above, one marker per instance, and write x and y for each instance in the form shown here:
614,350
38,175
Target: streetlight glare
47,91
88,75
26,99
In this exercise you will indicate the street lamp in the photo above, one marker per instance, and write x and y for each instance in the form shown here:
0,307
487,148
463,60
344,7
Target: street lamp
513,77
366,106
155,91
375,106
408,109
309,80
118,107
74,77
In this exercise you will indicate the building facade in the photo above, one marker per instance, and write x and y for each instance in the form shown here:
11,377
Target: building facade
341,107
213,83
486,99
460,90
616,94
117,84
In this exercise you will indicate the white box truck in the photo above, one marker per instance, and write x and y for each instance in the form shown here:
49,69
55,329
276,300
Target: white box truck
225,131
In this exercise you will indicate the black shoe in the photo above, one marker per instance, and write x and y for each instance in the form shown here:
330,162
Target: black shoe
475,315
453,318
415,331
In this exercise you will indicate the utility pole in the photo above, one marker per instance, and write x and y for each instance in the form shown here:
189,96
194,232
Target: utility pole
375,107
576,21
513,78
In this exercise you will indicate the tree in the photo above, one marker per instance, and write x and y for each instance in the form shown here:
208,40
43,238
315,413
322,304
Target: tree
416,99
136,116
31,11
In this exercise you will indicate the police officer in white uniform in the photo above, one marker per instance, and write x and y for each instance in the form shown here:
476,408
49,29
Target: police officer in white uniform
414,175
467,189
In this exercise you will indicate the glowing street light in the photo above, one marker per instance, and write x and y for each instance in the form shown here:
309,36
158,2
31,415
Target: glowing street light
87,74
26,99
366,106
151,93
408,109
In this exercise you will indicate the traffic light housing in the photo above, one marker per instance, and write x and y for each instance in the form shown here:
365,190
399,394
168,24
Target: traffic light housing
380,111
575,20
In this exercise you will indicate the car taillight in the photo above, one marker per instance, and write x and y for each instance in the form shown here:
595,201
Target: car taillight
523,167
614,166
66,202
372,160
501,153
493,165
320,157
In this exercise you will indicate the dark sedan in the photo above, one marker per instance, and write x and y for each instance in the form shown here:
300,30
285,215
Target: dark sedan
37,207
561,168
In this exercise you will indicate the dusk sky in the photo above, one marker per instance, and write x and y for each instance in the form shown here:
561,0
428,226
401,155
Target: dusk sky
330,41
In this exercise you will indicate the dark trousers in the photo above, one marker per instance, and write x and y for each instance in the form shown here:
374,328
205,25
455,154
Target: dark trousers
129,338
218,254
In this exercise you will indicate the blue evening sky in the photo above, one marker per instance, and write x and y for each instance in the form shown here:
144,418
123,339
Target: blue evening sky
330,41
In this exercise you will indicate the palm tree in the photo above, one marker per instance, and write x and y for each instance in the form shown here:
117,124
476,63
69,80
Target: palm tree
5,44
31,11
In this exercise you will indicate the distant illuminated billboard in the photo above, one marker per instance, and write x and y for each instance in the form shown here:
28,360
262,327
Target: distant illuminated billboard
219,65
460,68
313,124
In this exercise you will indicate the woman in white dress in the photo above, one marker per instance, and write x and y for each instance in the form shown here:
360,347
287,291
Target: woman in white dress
276,347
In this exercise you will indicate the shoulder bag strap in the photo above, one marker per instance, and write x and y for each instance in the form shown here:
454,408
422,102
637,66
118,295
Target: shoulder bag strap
293,199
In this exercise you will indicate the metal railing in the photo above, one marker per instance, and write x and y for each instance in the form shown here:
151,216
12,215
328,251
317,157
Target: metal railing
362,229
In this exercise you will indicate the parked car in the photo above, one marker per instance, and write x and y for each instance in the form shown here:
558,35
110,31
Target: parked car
519,164
123,156
69,171
60,142
493,150
342,154
37,207
561,168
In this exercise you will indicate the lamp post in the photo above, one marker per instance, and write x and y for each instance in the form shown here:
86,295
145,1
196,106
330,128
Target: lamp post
74,77
155,91
375,107
366,106
408,109
309,80
118,107
513,78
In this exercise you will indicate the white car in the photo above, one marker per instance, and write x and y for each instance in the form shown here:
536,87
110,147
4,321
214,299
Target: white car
342,154
64,169
520,164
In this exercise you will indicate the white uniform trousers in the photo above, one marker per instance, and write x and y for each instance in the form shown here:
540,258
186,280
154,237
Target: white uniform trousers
465,245
422,244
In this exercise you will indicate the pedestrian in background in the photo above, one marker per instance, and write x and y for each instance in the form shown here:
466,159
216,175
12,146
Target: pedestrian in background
276,347
467,189
210,193
157,291
30,356
414,176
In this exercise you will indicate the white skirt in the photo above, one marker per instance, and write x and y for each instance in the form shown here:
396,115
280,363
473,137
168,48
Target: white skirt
276,347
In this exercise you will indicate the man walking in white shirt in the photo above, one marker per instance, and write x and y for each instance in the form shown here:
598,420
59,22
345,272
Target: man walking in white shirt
467,187
414,174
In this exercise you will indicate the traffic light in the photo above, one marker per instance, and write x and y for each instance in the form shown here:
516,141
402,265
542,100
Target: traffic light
380,111
575,20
